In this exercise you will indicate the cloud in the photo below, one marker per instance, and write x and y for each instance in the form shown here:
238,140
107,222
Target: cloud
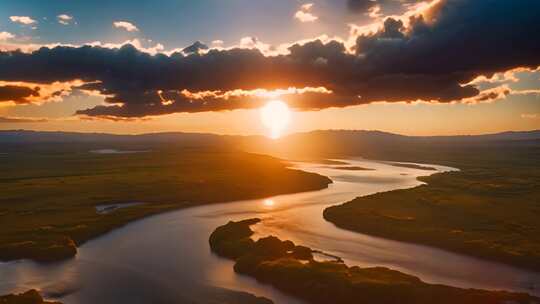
64,19
139,44
374,7
218,43
362,6
195,48
4,119
18,92
304,13
6,36
254,43
128,26
23,20
174,101
433,57
530,115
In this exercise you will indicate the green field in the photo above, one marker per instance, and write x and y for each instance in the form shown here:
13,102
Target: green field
490,209
49,192
293,269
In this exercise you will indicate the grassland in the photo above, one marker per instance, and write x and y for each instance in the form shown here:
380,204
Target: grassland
490,209
49,192
293,269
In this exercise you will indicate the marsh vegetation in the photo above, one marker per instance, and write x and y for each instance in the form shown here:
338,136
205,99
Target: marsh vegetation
293,269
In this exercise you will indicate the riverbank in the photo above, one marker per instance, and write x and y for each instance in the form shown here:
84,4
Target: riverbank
295,270
49,198
488,210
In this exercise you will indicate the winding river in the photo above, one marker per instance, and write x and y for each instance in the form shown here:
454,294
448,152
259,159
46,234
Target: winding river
166,258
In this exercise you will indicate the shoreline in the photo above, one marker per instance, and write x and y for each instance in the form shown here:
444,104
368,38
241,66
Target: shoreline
73,247
50,202
357,223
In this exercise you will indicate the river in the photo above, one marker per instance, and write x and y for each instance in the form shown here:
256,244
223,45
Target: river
166,258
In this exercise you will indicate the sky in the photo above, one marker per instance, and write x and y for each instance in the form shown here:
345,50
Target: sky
431,67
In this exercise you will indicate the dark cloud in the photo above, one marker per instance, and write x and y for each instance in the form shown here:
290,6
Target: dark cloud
17,94
429,60
195,48
360,6
387,6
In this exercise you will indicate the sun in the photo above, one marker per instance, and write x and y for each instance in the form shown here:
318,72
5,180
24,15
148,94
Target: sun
275,115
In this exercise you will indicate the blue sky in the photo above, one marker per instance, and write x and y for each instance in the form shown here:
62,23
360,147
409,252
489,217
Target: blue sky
175,23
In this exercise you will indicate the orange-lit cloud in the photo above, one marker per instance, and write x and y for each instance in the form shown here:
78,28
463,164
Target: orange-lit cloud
112,118
19,92
13,120
530,115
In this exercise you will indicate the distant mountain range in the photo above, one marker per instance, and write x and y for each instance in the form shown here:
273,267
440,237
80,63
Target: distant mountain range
326,143
374,144
26,136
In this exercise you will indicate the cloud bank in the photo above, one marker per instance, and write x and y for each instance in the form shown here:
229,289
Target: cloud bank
432,57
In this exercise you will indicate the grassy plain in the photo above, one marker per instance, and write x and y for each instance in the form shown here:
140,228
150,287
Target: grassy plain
49,192
489,209
293,269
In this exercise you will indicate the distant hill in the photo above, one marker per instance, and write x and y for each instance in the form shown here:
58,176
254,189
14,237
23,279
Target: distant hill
315,144
24,136
377,144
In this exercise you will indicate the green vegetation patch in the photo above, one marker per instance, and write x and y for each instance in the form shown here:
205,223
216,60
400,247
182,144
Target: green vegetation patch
49,195
293,269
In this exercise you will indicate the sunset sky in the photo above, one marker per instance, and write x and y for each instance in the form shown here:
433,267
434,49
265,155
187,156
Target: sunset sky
403,66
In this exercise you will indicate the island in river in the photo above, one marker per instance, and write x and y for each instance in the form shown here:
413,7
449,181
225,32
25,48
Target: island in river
295,270
50,192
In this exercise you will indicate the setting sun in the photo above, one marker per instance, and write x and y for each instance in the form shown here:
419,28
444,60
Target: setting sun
275,115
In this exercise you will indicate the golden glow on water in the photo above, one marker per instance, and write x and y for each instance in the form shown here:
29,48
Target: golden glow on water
275,115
